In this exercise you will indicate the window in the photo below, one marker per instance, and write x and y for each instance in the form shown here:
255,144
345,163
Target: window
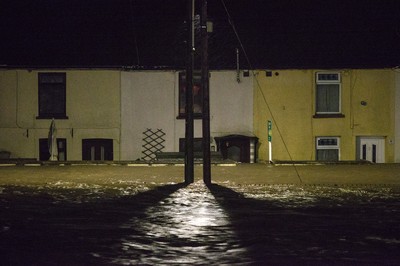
197,95
328,93
52,95
97,150
328,148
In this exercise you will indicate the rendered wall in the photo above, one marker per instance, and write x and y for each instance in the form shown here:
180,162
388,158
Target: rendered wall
93,110
290,95
149,99
397,117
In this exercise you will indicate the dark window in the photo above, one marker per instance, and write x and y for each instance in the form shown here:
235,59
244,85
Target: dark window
52,95
197,145
197,95
97,150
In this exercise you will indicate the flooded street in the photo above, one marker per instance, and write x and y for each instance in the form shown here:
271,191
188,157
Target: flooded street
127,222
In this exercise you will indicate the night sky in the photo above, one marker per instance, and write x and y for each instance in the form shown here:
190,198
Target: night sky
151,33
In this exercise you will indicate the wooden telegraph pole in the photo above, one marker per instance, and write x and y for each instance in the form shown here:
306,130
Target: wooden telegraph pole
189,127
206,96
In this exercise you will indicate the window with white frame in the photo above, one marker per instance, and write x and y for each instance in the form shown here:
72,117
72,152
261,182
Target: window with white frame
328,148
328,90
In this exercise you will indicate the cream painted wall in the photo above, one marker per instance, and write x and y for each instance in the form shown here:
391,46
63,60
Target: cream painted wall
397,116
290,95
149,99
231,104
93,110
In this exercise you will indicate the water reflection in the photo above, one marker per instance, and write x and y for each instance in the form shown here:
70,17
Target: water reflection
178,224
314,225
187,227
74,226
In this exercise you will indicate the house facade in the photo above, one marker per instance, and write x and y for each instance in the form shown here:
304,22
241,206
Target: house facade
349,114
323,115
105,114
84,103
152,100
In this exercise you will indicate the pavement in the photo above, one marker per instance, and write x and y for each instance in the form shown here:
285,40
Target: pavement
229,173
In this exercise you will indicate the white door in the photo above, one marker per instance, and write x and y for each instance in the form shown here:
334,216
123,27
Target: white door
372,149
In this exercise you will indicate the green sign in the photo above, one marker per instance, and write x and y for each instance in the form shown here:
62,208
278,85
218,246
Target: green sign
269,130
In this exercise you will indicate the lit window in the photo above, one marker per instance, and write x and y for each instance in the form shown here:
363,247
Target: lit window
52,95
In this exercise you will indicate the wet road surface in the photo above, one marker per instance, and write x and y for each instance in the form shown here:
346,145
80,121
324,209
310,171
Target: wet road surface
189,225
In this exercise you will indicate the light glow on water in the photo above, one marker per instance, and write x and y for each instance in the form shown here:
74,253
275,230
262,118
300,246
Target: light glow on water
188,226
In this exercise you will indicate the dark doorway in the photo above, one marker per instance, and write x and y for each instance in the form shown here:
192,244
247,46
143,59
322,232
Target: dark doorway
97,150
239,148
44,153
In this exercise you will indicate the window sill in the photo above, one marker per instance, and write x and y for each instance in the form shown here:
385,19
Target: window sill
51,117
328,116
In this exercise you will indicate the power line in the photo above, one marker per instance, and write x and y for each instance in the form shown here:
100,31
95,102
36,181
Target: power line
259,88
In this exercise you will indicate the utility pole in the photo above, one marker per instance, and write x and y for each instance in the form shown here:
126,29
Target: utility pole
189,126
206,96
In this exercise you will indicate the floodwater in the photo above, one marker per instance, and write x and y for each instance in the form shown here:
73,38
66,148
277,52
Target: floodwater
66,224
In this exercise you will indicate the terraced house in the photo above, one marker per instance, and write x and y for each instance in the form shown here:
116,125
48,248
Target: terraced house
328,114
104,114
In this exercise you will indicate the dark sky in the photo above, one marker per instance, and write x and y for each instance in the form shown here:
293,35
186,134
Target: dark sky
151,33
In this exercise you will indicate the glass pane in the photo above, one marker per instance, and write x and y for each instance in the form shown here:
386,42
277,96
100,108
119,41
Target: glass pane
197,93
327,155
52,100
51,77
327,142
328,98
328,76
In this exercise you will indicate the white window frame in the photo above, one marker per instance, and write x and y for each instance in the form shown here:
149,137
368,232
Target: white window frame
337,81
328,147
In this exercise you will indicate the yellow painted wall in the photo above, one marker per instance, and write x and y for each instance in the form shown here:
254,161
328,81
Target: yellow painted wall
93,110
288,99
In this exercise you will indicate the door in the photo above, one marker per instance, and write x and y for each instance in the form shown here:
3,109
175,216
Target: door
372,149
44,154
97,149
